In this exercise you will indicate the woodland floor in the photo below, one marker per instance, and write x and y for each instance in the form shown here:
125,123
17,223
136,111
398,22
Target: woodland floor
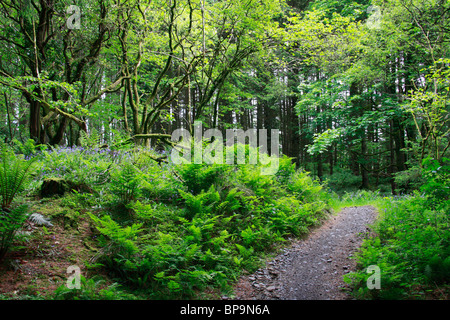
312,268
36,268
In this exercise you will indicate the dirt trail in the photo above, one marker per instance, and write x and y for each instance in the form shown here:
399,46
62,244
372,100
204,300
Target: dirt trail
312,269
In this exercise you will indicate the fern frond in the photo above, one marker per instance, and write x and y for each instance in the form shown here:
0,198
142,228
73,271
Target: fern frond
11,220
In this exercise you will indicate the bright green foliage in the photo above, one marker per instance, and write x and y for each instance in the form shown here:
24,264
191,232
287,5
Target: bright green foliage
13,176
437,185
214,226
77,164
343,180
202,203
122,239
29,148
411,249
92,289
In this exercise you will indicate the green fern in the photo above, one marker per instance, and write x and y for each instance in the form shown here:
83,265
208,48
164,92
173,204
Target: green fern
200,203
39,219
13,175
10,221
90,141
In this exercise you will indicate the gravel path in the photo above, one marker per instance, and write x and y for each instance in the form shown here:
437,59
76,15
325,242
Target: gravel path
313,268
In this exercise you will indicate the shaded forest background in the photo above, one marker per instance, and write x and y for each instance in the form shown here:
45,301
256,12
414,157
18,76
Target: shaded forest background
358,89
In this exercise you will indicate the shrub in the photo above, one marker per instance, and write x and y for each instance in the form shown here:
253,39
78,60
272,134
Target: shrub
160,183
11,220
29,148
437,185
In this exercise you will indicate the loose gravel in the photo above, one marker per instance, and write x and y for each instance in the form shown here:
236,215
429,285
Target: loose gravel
313,268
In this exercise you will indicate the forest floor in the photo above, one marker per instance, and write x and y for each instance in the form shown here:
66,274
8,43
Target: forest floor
312,268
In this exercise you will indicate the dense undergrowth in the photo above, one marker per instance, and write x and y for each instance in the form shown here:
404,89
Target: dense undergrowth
166,231
411,240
